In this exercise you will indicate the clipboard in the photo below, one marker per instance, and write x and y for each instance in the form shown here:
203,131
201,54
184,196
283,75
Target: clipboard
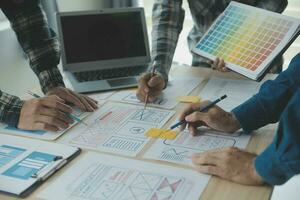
25,163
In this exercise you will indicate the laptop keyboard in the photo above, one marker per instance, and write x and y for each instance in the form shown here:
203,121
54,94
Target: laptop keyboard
109,73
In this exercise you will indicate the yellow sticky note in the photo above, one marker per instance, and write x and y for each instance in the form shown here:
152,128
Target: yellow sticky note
188,99
161,133
168,134
154,132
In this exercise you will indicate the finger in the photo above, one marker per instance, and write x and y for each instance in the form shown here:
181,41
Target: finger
73,98
86,104
92,102
225,69
192,129
188,109
210,62
57,98
205,159
53,103
91,99
216,63
57,114
197,117
143,82
156,82
209,169
52,121
45,127
141,96
154,92
221,65
151,98
183,126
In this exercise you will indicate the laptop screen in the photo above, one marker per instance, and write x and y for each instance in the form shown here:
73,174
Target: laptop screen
107,36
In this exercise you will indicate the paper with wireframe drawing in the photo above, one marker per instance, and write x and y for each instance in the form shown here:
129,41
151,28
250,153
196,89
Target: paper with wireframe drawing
93,177
177,86
118,128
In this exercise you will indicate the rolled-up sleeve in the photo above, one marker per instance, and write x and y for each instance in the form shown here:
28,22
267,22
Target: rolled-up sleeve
267,106
281,159
167,19
38,41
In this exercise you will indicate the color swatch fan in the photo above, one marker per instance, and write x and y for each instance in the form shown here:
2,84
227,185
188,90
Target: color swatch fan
248,38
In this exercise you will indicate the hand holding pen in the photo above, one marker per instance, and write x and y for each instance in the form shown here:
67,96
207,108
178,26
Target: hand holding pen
207,114
150,85
147,95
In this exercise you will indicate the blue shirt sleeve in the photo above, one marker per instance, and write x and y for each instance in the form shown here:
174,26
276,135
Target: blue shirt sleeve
267,106
281,159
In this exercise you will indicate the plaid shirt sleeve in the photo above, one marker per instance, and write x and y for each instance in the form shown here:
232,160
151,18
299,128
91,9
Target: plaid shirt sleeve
38,41
10,108
167,19
41,46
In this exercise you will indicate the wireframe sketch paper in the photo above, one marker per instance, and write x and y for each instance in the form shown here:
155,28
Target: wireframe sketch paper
93,177
237,91
181,149
44,135
177,86
118,128
102,95
24,162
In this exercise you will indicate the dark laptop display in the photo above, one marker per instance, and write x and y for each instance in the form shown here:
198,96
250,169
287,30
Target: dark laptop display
103,49
103,37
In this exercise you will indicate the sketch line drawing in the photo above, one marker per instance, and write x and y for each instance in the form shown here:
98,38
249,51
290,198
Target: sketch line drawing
211,142
147,186
137,130
174,155
123,143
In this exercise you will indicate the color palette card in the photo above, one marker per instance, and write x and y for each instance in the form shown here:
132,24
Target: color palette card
248,38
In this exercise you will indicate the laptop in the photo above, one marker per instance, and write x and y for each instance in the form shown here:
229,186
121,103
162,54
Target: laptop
104,49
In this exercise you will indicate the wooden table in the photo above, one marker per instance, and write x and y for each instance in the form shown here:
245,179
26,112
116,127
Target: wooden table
217,188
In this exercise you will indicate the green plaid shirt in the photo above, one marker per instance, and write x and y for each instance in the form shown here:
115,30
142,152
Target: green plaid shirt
41,46
168,17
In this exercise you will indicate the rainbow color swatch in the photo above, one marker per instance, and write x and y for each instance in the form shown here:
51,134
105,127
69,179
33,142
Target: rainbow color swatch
248,38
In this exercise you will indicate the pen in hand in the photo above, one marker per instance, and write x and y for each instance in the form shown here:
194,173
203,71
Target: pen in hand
204,109
147,95
68,114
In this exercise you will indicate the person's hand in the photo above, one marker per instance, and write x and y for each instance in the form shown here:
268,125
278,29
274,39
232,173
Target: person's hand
215,118
231,164
219,64
83,102
152,86
47,113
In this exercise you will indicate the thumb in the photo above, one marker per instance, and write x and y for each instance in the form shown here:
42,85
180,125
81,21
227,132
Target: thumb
196,117
155,81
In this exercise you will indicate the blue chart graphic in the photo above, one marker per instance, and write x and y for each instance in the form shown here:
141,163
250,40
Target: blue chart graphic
25,131
30,165
8,153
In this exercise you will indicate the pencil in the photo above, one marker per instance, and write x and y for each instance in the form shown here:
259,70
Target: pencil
68,114
147,95
206,108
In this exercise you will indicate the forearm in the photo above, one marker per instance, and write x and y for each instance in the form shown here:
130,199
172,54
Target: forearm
281,160
10,109
167,22
38,41
267,106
